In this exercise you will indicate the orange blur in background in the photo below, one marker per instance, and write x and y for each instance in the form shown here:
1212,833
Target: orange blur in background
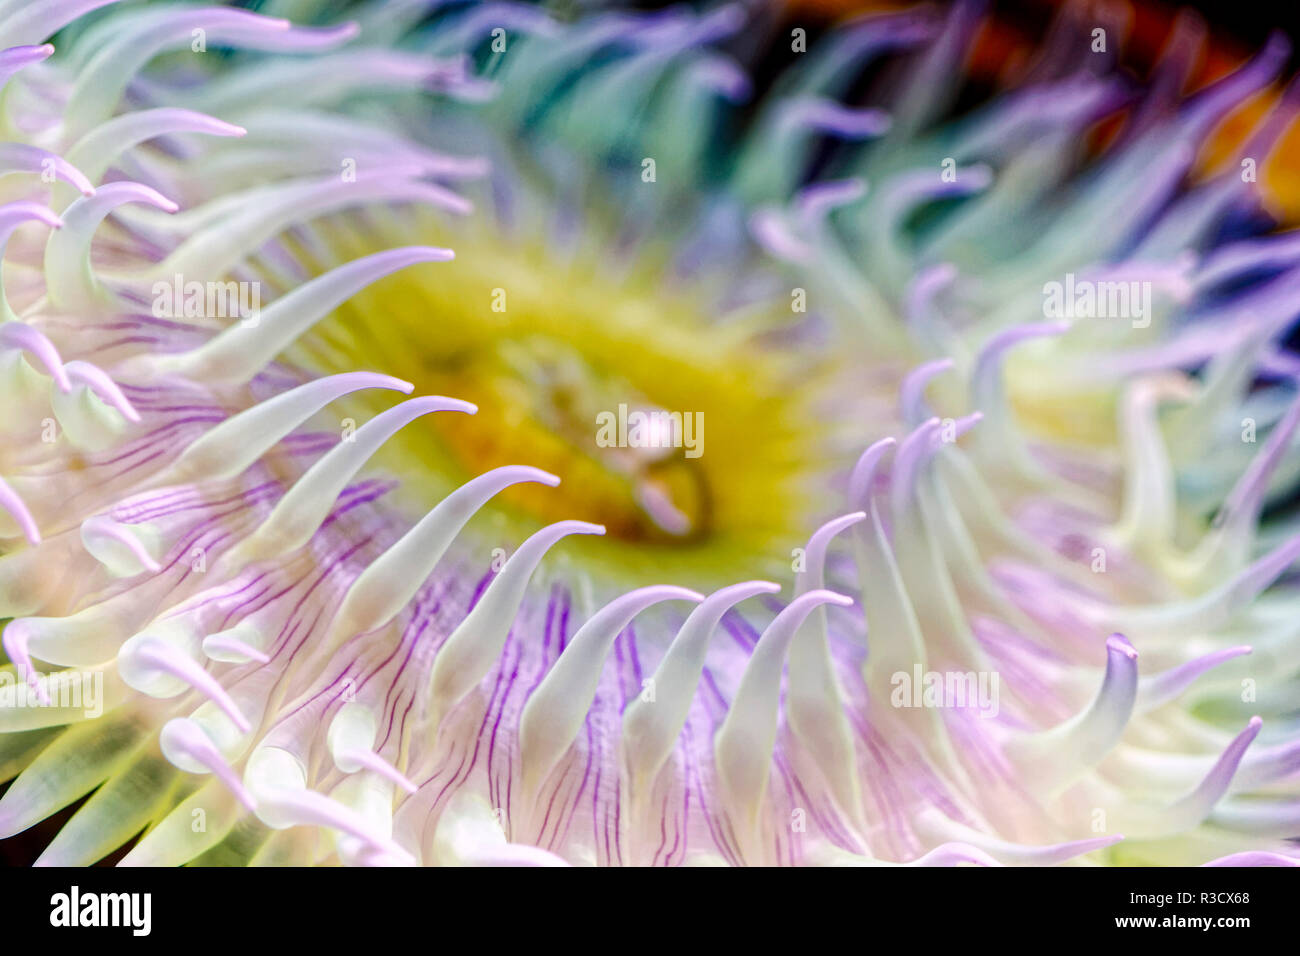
1002,46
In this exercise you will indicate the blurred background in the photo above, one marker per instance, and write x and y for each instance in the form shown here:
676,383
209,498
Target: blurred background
1014,29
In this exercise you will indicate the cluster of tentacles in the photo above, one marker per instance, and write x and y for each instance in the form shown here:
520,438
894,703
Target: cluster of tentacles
295,671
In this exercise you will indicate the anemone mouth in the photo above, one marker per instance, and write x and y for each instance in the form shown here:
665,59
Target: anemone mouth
690,436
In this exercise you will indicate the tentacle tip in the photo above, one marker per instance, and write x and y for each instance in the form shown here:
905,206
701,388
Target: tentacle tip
15,645
823,596
34,683
1120,643
542,477
432,253
1278,44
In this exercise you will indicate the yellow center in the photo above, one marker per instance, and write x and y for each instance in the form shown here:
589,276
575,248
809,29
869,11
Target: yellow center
686,437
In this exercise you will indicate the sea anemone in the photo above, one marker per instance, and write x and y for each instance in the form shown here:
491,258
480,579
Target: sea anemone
952,433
